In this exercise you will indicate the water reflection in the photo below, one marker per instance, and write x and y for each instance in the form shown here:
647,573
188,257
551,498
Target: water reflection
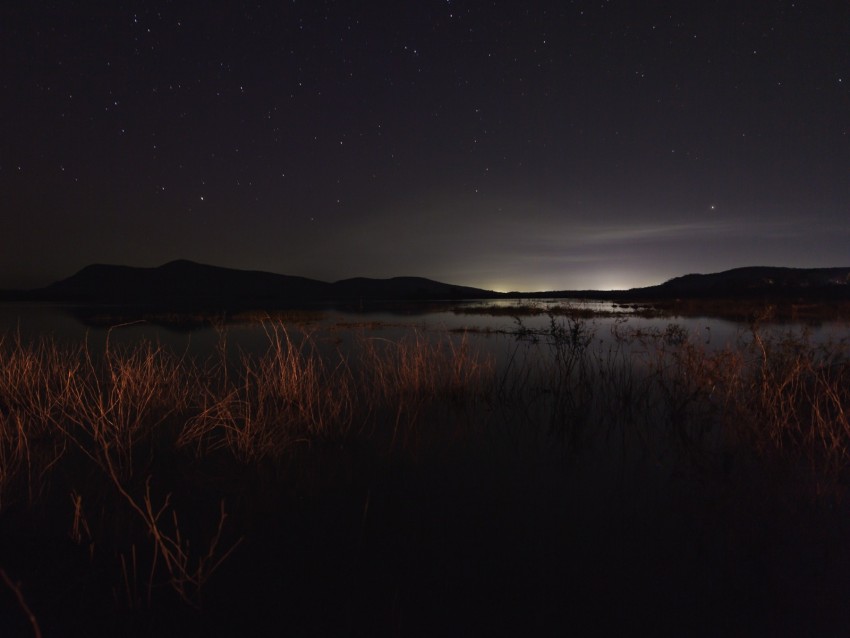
485,322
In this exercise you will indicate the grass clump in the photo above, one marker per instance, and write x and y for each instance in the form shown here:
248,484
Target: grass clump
287,395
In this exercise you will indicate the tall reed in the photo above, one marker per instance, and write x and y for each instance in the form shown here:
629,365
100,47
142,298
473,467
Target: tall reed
796,399
286,395
33,378
778,393
401,380
108,406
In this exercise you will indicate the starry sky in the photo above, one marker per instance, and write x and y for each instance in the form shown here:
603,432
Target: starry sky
505,145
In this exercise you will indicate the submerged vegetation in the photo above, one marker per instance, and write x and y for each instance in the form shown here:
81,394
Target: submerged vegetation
747,310
400,477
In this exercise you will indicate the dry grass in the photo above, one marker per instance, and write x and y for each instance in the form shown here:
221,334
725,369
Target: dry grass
775,394
794,398
16,589
59,402
108,407
404,379
285,396
779,391
33,378
255,407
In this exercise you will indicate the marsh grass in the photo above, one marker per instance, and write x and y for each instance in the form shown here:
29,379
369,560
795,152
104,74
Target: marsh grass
33,378
147,423
108,407
796,396
288,395
412,382
778,390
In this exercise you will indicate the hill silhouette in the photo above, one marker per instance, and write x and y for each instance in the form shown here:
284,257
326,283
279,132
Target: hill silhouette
756,281
186,285
751,282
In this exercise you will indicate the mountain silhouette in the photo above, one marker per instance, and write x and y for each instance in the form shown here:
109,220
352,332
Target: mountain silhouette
186,284
404,288
180,283
757,281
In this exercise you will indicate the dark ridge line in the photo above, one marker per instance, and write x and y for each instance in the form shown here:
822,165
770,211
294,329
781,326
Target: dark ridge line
184,284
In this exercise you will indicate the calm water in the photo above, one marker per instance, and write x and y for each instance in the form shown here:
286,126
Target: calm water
493,332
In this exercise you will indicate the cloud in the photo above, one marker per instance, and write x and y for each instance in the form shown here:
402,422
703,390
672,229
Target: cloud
631,233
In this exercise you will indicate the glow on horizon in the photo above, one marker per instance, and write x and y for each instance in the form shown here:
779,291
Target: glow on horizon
588,281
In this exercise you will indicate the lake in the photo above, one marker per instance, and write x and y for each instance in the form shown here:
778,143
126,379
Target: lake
481,320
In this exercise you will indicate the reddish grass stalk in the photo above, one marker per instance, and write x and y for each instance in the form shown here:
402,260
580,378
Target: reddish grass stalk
16,589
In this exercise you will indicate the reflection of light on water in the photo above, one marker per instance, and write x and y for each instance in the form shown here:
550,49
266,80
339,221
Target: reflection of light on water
33,321
524,306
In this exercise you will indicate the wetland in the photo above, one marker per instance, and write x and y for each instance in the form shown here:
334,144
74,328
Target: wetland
463,469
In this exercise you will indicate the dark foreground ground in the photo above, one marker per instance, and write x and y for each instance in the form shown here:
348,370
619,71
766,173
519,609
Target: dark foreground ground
463,542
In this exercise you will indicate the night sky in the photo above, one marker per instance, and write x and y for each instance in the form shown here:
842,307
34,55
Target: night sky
506,145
